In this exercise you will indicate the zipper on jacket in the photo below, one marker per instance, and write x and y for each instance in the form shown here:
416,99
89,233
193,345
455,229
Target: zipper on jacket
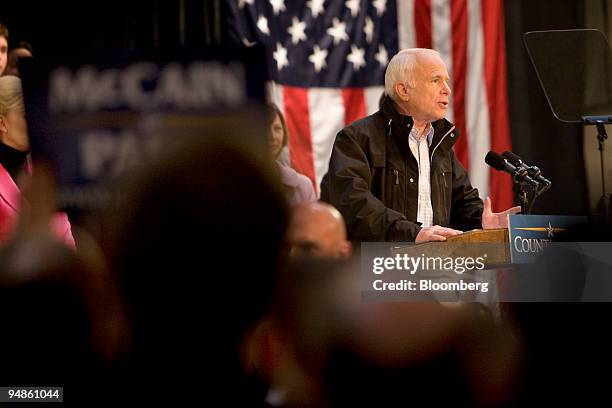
396,177
441,140
444,199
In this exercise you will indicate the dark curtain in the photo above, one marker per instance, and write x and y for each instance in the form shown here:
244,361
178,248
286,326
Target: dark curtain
537,135
115,24
564,345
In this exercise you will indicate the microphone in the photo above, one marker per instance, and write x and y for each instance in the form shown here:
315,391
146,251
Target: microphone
534,172
519,174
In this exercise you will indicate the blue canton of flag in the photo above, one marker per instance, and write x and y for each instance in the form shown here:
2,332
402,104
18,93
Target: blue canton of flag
320,43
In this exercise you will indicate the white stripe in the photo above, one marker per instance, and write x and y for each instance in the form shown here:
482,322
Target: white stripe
405,24
274,93
372,96
326,111
477,113
442,39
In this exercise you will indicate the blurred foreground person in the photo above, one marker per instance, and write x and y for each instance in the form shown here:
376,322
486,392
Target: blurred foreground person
197,252
342,352
64,323
317,230
15,168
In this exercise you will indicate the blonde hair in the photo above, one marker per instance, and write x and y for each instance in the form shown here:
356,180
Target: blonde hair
401,68
11,95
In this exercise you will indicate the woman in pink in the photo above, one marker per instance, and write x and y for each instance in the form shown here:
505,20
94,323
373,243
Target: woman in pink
14,162
298,188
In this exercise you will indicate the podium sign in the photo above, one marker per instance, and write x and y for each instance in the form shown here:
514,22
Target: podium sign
530,234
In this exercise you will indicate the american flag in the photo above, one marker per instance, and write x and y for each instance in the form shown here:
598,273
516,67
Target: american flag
328,60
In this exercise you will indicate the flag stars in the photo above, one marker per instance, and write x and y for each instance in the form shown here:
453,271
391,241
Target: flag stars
242,3
317,58
338,31
381,56
262,24
247,42
369,29
356,57
353,5
297,31
280,56
277,6
380,6
316,7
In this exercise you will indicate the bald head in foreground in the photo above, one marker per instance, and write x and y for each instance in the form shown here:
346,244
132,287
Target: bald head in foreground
317,230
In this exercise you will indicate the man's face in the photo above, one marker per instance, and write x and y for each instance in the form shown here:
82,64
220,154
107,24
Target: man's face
428,100
3,53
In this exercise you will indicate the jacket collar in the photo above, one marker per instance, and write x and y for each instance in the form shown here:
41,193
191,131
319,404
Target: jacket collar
398,126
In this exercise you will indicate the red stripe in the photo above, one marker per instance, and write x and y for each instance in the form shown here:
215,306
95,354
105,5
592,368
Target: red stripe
459,21
354,104
297,118
422,23
495,79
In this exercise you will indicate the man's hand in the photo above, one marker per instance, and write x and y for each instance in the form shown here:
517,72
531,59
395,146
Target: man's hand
435,233
492,220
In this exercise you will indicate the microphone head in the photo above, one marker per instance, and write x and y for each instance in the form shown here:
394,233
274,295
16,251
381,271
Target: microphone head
495,160
512,158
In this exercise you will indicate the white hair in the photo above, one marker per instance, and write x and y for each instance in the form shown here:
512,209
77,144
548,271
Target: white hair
401,68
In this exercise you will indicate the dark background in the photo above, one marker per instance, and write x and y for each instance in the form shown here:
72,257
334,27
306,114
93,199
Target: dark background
536,135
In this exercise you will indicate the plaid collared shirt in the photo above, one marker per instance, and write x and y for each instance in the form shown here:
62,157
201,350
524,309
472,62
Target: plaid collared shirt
420,150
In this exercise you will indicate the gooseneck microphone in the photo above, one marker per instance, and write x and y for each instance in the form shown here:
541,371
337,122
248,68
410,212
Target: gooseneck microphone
534,172
519,174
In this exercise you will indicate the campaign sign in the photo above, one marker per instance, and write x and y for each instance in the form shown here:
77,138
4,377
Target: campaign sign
96,116
531,234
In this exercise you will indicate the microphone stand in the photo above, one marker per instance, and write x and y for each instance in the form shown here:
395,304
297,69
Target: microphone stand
519,189
603,205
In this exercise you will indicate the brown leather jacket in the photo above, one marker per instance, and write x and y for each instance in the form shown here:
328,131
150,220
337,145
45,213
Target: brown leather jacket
373,179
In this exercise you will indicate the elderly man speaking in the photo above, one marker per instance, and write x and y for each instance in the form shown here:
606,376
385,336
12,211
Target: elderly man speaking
393,175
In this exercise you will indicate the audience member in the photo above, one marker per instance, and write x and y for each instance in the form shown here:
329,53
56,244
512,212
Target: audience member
298,187
22,50
14,150
317,229
64,320
342,351
197,252
4,38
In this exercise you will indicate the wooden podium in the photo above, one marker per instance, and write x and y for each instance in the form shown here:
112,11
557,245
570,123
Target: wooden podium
493,242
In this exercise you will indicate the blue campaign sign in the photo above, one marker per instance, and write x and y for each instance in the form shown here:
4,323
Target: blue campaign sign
97,116
530,234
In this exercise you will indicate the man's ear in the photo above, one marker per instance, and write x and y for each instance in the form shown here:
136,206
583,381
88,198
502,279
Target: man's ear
401,90
346,249
3,126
